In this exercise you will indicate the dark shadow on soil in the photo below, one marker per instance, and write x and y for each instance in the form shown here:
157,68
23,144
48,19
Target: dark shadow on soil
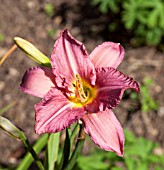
93,23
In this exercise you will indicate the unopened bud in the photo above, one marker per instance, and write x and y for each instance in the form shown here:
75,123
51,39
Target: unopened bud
32,51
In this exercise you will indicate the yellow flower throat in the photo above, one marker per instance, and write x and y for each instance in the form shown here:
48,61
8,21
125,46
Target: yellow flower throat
84,93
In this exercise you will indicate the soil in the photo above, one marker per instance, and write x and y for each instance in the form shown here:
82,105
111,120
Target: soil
27,19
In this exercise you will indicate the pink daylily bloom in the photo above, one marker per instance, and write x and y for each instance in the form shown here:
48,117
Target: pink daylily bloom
81,87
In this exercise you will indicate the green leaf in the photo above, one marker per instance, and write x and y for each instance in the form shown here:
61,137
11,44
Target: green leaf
141,165
73,134
107,5
32,51
69,141
66,150
130,138
153,36
1,37
116,168
77,150
152,18
153,158
6,108
49,9
92,162
147,102
28,159
130,163
157,168
52,150
161,16
129,14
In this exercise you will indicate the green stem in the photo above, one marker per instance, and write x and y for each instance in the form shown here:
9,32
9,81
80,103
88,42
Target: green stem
33,153
78,148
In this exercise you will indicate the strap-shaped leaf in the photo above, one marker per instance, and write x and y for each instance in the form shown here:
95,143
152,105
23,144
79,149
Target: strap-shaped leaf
28,159
52,150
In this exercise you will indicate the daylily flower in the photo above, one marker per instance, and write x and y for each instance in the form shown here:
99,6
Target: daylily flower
81,87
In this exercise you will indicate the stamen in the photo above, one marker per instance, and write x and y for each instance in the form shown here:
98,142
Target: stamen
80,93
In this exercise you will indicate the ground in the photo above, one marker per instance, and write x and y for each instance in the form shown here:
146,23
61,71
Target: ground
28,19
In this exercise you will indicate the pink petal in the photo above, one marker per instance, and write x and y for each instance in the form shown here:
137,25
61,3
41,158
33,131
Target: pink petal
70,58
108,54
55,112
105,130
111,85
37,81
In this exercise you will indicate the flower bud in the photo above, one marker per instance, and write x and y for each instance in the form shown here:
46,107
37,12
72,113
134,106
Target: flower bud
32,51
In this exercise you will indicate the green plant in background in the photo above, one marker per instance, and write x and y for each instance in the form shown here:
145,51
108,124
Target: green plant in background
1,37
147,102
51,33
7,107
138,155
105,5
49,9
145,18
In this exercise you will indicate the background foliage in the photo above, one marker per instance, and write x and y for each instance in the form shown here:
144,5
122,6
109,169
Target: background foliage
144,19
139,155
